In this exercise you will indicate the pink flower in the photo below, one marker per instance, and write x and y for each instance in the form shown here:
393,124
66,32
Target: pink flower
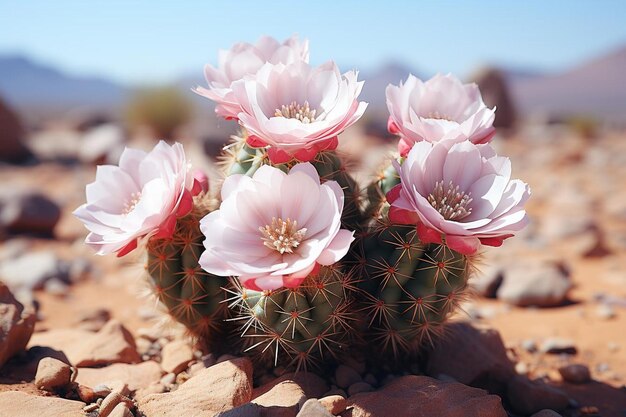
273,229
298,110
246,59
441,108
141,197
459,194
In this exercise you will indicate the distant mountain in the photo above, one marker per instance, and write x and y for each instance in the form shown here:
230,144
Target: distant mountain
376,82
32,87
596,88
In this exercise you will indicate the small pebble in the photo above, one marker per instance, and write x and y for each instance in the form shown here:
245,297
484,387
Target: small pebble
605,312
558,346
168,379
346,376
576,374
529,345
521,368
335,404
370,379
602,367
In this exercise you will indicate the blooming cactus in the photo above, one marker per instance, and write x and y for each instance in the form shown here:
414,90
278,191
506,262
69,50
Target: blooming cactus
441,108
142,196
296,109
460,194
246,59
273,229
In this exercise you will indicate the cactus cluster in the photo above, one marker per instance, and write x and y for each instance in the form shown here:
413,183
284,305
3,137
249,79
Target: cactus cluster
297,264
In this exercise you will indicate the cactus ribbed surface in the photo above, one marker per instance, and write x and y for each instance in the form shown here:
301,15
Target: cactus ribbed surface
407,289
240,158
303,327
192,296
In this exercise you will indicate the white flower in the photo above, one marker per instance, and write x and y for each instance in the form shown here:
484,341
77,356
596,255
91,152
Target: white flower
441,108
141,197
246,59
273,229
296,109
460,194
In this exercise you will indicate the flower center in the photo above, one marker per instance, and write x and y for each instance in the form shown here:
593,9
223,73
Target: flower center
450,201
130,204
438,116
282,235
296,111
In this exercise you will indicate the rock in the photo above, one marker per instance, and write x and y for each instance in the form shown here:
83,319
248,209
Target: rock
557,346
495,92
52,374
421,396
137,376
529,345
313,408
346,376
527,397
285,394
112,344
312,385
543,285
605,312
58,144
175,356
335,404
120,410
358,387
28,212
546,413
32,270
487,281
102,145
19,404
576,373
246,410
218,388
17,324
485,365
11,136
93,320
157,388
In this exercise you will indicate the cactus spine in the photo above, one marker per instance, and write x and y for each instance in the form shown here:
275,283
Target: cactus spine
192,296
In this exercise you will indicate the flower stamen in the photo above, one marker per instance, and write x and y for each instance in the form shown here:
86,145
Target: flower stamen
297,111
450,202
282,235
438,116
130,204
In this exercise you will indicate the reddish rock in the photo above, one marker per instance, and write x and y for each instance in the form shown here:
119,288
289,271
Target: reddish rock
137,376
335,404
527,397
19,404
175,356
52,374
219,388
421,396
11,136
287,395
112,344
16,325
121,410
485,365
313,408
346,376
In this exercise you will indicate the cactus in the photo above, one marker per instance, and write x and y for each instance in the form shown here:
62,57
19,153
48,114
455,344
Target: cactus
407,288
240,158
192,296
301,327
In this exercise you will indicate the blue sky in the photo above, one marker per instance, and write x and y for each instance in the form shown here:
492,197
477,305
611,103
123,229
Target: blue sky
156,41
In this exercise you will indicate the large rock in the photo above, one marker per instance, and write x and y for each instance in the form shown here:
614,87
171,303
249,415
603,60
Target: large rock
544,285
213,390
28,212
495,92
176,355
17,324
421,396
19,404
32,270
471,355
11,136
527,397
112,344
137,376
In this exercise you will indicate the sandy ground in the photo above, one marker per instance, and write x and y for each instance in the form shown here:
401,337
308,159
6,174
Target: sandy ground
571,179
